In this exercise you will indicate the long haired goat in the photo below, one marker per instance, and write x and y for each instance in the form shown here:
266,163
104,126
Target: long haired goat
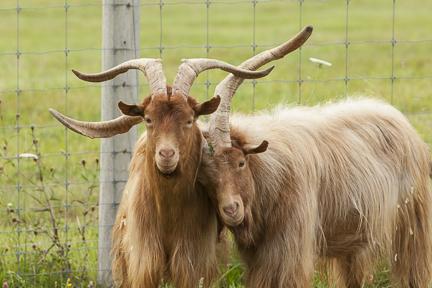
347,183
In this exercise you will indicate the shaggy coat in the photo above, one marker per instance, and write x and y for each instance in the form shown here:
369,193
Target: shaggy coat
166,226
346,183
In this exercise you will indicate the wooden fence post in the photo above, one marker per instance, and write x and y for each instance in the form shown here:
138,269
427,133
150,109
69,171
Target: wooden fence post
120,42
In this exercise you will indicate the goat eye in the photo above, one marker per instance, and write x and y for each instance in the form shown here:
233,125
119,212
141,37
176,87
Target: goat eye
148,121
189,123
242,164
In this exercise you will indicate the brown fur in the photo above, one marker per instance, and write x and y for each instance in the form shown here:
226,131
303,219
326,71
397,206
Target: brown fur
347,183
166,226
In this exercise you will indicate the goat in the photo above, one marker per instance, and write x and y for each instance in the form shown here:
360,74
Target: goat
345,183
166,226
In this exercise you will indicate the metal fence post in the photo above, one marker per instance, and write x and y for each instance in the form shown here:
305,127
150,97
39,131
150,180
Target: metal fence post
120,42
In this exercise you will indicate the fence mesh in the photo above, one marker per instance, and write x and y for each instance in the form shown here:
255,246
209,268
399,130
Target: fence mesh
49,176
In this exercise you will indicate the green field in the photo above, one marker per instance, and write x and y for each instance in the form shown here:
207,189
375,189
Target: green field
48,207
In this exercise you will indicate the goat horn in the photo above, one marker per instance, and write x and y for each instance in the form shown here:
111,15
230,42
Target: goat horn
152,69
219,129
191,68
103,129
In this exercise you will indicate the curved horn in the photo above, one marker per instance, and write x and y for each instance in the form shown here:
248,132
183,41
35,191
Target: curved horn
219,129
152,69
191,68
103,129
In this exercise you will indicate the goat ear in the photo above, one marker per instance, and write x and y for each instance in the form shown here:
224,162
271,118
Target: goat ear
253,149
207,107
134,110
131,110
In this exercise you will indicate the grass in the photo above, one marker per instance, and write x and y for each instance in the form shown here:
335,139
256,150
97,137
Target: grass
63,184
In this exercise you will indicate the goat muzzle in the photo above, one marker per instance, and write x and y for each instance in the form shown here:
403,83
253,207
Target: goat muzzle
167,159
232,212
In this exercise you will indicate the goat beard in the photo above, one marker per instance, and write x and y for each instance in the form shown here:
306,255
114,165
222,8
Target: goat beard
171,174
243,232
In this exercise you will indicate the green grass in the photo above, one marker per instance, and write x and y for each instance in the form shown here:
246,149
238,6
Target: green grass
71,187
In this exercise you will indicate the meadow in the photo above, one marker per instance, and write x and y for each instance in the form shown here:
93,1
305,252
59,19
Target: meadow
49,194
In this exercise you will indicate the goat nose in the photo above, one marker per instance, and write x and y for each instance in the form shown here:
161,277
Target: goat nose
231,209
167,153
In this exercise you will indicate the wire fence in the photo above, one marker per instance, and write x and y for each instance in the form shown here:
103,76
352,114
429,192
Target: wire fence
49,176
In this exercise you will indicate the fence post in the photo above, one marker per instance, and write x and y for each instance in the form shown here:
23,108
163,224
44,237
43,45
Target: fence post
120,42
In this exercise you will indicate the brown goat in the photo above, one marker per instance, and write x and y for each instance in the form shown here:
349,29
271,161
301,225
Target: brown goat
346,183
166,226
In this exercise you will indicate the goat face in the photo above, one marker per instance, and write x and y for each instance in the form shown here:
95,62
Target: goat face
171,127
235,187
